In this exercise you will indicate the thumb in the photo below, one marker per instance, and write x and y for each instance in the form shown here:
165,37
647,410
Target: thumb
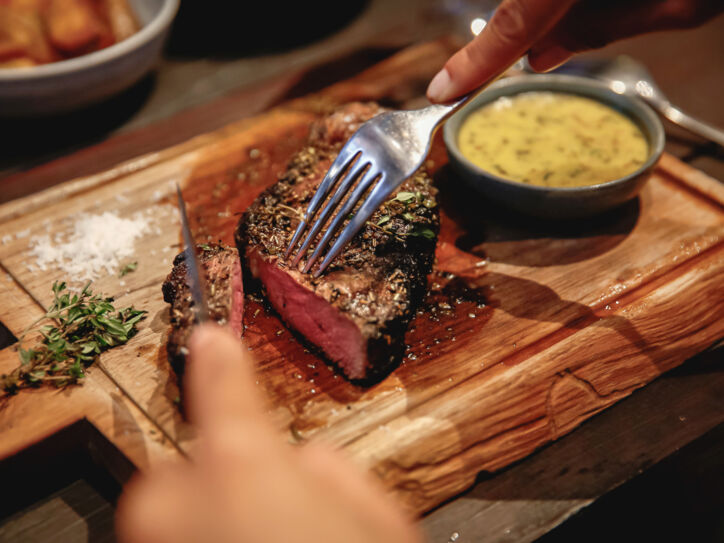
220,380
515,27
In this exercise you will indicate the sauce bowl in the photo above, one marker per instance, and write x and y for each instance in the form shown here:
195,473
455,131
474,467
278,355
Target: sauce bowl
557,202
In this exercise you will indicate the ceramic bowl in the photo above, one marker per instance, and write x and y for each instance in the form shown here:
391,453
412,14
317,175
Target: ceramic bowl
557,202
70,84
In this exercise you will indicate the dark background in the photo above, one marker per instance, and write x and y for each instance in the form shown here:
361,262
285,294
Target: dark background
220,48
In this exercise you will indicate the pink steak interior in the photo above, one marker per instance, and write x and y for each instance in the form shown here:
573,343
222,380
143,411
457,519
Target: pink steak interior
313,317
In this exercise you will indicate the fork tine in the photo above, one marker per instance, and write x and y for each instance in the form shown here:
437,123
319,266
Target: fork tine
349,205
342,189
344,159
378,195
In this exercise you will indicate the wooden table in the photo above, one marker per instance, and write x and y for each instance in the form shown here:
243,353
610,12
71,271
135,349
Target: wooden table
191,96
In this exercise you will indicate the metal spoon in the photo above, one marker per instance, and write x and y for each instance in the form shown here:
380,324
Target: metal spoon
626,76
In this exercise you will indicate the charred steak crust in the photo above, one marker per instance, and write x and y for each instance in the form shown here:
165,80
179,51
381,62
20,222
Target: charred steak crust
222,270
377,282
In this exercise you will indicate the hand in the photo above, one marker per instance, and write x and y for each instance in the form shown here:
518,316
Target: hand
244,483
550,31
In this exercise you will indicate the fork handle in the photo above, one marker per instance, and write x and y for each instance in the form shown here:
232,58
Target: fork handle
443,111
700,128
458,103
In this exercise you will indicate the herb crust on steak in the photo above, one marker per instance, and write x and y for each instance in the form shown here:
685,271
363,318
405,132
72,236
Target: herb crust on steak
358,310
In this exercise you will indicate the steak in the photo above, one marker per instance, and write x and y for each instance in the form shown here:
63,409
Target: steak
221,268
358,310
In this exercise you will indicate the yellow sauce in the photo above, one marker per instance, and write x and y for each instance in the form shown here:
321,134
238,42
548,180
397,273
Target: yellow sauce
552,139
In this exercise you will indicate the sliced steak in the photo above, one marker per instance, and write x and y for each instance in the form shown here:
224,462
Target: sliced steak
224,293
357,312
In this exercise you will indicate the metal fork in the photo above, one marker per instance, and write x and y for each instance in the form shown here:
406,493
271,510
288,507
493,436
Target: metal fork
384,152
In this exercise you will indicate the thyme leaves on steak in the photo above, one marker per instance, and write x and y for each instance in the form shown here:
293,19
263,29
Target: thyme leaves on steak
410,220
356,312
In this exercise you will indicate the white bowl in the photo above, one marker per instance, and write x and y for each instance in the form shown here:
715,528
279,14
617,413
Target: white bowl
70,84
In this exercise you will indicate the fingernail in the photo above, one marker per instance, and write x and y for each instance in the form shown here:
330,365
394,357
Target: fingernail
439,88
549,59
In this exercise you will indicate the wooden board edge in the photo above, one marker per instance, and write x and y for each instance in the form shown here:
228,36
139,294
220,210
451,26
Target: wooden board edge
129,428
463,434
23,206
341,92
155,136
528,499
19,309
695,180
34,415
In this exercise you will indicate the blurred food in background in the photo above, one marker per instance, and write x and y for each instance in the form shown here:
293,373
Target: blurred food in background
34,32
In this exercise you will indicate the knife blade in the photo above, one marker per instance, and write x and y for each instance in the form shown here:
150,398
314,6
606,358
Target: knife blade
196,283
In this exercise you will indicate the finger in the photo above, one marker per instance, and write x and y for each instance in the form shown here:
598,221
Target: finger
516,25
148,509
591,25
359,491
220,386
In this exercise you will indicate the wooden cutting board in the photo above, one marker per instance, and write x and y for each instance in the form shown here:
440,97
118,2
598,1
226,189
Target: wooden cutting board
530,328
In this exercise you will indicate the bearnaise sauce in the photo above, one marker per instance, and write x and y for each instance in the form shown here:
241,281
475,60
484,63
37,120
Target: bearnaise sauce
552,139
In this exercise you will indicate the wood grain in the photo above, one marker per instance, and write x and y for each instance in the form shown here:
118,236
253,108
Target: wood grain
33,415
528,499
530,327
99,400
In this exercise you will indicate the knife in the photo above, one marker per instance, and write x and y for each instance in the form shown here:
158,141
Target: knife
196,283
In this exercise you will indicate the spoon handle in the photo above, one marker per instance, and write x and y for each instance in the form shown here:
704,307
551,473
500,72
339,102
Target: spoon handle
676,116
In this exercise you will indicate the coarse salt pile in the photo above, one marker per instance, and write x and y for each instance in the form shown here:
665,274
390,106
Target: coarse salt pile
94,244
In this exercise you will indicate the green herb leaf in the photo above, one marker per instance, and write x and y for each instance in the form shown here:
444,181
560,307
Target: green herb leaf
422,231
404,196
383,220
26,355
128,268
36,376
135,317
76,370
89,347
83,325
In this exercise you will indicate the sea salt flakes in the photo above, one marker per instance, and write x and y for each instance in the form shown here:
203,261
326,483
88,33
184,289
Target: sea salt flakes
95,245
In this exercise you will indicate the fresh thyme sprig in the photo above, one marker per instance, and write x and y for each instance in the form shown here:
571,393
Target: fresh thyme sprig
85,325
